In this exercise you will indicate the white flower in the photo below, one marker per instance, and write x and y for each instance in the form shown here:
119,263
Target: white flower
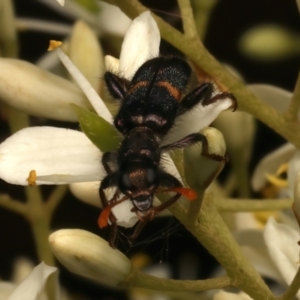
273,251
31,288
60,156
287,153
38,92
61,2
88,255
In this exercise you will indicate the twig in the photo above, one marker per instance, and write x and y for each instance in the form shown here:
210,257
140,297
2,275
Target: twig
189,26
145,281
55,198
293,288
13,205
293,110
243,205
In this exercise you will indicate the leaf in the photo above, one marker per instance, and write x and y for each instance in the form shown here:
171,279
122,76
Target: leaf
102,134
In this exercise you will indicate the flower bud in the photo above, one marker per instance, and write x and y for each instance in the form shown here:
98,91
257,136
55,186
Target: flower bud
38,92
200,171
90,256
269,42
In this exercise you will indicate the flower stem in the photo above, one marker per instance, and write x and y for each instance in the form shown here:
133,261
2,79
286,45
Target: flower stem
293,110
13,205
293,288
244,205
145,281
55,199
202,12
8,37
40,225
188,21
214,235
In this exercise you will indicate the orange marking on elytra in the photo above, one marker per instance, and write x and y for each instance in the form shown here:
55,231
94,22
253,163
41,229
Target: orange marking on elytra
138,85
171,89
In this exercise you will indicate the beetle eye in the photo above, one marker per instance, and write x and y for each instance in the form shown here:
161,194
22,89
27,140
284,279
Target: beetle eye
151,176
125,181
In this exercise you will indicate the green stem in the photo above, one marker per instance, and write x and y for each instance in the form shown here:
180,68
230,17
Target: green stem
189,27
145,281
55,198
8,36
293,288
244,205
214,235
16,119
13,205
241,173
292,112
202,11
195,206
40,225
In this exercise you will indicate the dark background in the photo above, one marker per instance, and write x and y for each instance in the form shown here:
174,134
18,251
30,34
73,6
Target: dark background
165,241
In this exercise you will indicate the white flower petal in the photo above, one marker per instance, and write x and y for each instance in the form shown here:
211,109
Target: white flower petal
88,255
196,119
293,170
112,20
298,4
141,43
168,165
222,295
125,217
112,64
48,150
282,244
270,164
61,2
6,289
96,101
32,286
273,95
87,192
38,92
254,248
21,269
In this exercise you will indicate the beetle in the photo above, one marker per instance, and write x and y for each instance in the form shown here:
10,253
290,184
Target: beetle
150,103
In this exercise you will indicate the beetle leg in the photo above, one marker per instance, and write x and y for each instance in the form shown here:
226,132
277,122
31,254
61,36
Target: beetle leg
107,182
192,139
201,93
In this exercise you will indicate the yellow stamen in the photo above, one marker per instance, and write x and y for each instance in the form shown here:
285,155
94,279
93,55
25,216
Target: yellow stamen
282,169
277,181
53,45
140,261
32,178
